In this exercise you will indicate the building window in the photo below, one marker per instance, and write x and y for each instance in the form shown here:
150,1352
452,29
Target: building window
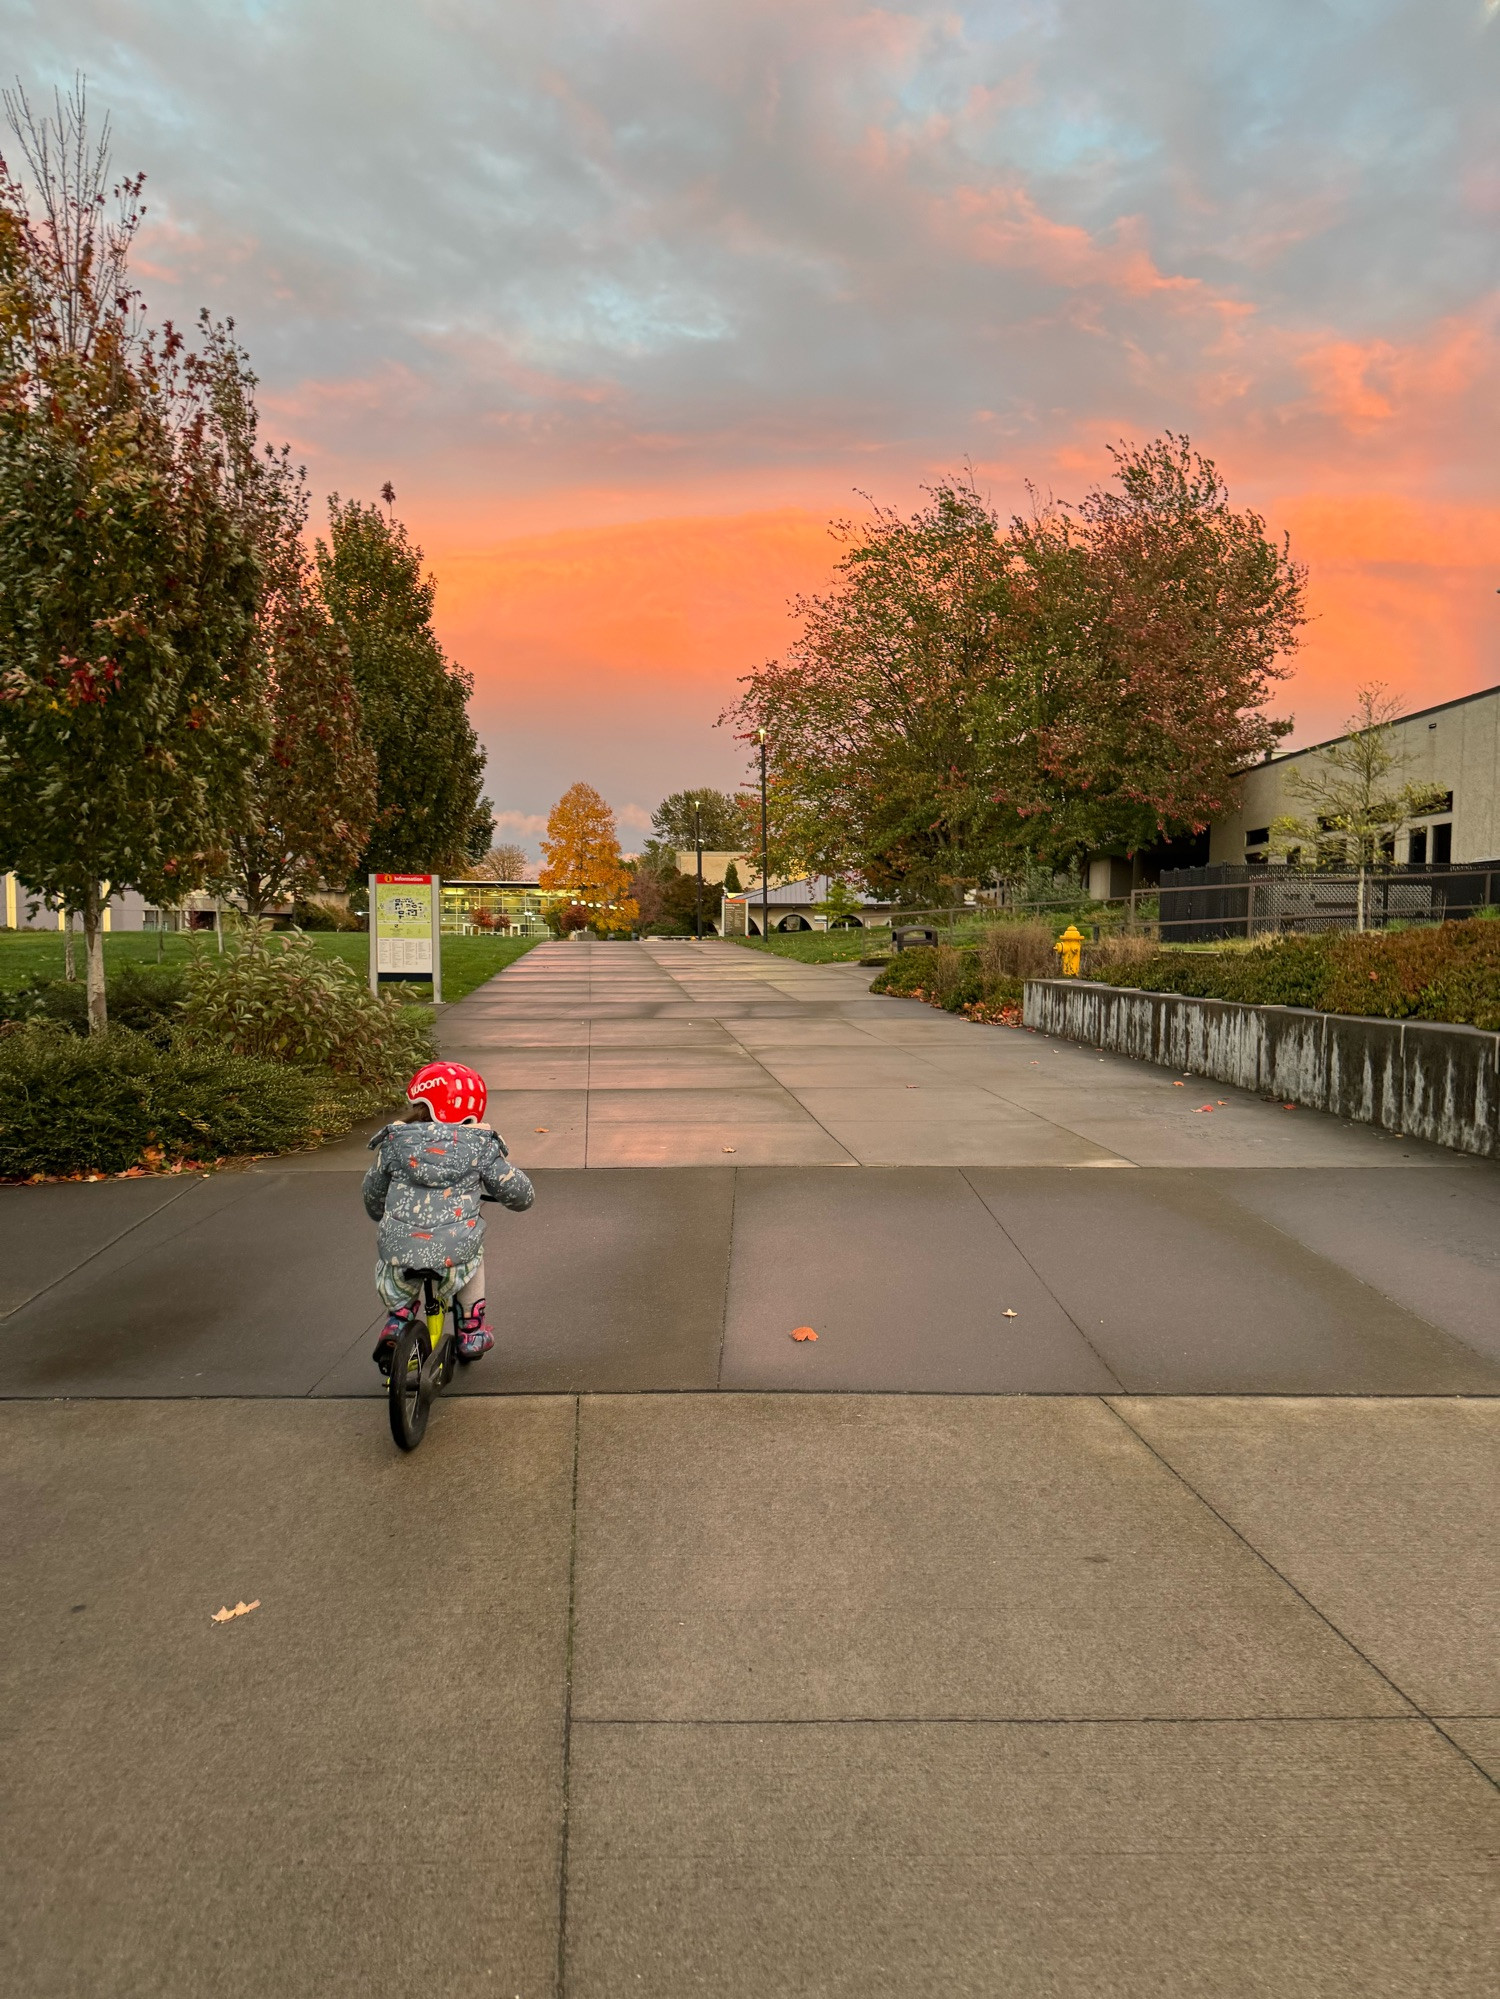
1416,847
1442,843
1257,836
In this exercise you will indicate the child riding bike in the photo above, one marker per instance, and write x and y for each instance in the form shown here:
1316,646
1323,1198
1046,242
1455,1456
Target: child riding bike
424,1190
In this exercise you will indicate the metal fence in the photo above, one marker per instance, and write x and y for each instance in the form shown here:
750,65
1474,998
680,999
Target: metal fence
1205,905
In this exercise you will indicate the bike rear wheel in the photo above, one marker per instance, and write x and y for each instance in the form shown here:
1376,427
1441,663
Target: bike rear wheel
409,1402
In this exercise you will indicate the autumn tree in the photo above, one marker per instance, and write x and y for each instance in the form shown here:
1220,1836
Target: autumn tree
1159,620
970,698
506,862
581,858
1353,798
429,766
879,717
129,702
312,782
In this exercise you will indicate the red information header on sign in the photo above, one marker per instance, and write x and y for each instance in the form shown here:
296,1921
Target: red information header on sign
403,878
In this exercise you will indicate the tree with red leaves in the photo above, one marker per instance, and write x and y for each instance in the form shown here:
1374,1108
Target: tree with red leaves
969,699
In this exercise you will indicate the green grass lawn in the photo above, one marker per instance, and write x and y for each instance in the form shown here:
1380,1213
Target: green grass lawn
820,947
467,961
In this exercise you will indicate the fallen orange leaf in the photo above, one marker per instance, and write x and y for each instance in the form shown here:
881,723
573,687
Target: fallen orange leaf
803,1333
539,1128
1179,1086
1202,1108
241,1609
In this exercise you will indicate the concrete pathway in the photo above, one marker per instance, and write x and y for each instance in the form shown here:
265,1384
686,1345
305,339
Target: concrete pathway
685,1054
750,1695
1140,1644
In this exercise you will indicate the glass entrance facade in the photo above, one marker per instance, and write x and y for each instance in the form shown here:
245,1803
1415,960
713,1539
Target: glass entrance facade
498,909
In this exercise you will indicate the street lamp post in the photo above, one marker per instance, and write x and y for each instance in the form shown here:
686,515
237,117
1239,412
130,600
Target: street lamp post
765,887
698,843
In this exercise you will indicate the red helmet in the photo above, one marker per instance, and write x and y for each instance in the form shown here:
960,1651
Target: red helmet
452,1093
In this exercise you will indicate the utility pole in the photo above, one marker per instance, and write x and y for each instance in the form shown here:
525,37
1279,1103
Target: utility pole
698,843
765,887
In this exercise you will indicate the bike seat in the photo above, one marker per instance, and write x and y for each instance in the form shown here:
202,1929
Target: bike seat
415,1275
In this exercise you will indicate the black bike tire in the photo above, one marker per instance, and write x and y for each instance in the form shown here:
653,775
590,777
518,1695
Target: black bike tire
408,1405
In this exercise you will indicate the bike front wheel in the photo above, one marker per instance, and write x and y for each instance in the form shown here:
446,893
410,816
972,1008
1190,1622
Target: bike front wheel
409,1401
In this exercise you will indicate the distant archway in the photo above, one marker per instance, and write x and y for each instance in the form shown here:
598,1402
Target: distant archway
794,923
847,923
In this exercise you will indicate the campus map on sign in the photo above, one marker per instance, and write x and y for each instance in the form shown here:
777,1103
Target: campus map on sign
403,925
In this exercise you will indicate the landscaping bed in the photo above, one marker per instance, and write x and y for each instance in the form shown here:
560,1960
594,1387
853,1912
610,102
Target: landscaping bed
1448,972
268,1048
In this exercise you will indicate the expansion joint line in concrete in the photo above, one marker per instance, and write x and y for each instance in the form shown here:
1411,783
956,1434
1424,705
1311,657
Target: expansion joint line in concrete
94,1254
984,1204
567,1720
1417,1720
1418,1711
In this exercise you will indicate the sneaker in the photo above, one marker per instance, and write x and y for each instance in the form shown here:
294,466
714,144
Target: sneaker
390,1332
474,1336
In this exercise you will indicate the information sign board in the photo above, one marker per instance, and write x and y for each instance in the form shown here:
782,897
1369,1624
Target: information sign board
405,933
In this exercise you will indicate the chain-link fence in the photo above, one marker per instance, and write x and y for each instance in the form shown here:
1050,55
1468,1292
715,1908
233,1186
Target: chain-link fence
1205,905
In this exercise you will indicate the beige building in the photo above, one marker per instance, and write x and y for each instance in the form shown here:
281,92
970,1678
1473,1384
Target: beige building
1454,748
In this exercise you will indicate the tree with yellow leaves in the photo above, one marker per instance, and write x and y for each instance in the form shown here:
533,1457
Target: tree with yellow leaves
581,857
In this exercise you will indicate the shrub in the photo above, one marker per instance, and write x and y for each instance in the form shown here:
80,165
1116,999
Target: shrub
952,979
145,998
1018,950
324,916
1442,972
73,1103
273,1000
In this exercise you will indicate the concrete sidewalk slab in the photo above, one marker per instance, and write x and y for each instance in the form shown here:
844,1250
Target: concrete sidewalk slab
1239,1859
753,1558
252,1284
906,1280
978,1141
1382,1513
354,1790
1184,1292
613,1280
1430,1240
49,1231
747,1140
1478,1737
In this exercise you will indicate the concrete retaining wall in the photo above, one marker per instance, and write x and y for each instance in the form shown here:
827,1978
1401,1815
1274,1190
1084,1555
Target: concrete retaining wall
1433,1082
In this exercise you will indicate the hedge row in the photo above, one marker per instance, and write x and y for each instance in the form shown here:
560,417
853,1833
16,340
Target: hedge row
1444,972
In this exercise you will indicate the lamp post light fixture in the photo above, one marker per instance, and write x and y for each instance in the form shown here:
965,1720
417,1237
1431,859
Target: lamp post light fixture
765,886
698,844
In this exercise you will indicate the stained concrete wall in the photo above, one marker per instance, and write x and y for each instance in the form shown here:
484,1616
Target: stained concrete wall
1430,1081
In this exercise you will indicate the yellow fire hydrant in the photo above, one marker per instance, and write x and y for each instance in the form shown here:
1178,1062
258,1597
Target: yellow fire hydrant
1069,947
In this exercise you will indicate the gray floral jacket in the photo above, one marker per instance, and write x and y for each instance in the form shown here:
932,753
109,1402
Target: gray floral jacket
426,1186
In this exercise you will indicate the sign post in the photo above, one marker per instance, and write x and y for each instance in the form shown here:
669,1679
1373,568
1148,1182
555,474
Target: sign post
406,940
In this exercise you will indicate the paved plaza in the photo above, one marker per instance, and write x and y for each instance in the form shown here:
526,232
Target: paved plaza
1140,1643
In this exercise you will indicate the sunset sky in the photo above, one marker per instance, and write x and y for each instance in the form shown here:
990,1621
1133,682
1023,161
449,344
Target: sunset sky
628,298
